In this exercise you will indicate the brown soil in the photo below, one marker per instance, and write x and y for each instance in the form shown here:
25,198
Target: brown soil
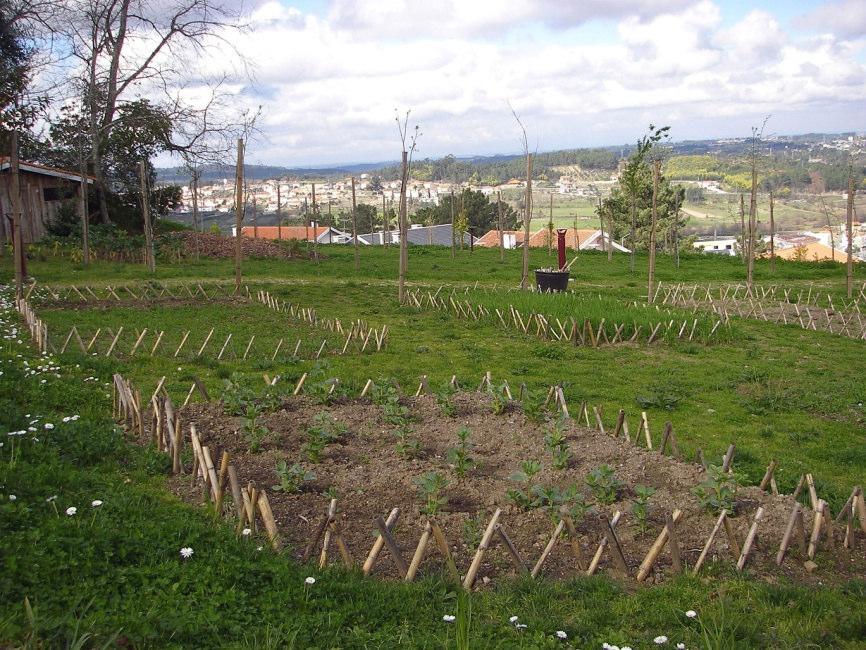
222,247
370,478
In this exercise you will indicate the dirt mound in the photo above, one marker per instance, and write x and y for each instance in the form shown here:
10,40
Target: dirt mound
222,247
369,478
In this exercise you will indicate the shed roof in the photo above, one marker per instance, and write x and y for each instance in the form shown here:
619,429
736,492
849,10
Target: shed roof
34,168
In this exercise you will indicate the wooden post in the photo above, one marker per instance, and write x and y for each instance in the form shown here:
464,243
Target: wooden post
279,212
419,553
772,235
315,226
401,220
524,280
149,260
17,216
380,542
750,539
355,228
703,556
239,211
501,236
849,271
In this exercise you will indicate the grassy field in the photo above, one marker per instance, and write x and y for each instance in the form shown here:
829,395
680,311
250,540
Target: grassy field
778,392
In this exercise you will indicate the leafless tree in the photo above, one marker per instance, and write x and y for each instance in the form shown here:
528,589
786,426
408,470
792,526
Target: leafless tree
410,140
527,215
754,153
118,49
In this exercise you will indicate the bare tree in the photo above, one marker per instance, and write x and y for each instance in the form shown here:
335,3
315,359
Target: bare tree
527,218
754,152
772,234
119,47
849,265
657,164
403,226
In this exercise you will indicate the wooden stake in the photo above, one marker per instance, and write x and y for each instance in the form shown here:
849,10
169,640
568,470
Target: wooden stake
268,517
786,538
482,547
750,539
512,550
547,549
419,553
656,549
391,543
703,556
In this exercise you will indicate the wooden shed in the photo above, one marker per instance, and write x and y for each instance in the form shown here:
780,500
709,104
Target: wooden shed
43,191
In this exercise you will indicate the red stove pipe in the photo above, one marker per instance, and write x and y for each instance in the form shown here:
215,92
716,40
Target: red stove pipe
560,245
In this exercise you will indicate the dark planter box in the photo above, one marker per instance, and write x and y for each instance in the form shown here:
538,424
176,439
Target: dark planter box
552,280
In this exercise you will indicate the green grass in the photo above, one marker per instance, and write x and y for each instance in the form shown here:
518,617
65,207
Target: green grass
778,392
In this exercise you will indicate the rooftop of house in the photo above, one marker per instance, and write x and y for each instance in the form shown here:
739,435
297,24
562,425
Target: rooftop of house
35,168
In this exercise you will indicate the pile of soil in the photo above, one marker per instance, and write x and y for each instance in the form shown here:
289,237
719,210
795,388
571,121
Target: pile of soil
370,478
222,247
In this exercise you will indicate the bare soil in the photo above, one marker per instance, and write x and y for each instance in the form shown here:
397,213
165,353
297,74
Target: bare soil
370,478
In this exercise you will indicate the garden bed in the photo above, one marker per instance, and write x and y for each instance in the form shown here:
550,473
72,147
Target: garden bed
369,477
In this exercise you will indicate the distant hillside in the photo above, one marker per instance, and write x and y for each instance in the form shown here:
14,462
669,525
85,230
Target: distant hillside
211,173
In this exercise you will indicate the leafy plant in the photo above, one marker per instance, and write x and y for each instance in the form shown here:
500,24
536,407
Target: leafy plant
408,444
604,484
640,506
555,501
236,398
472,532
658,398
718,491
523,497
533,405
499,402
252,430
459,456
324,431
291,477
557,445
430,486
445,400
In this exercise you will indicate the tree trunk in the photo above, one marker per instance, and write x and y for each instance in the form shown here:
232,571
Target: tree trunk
633,229
527,218
600,224
501,236
742,227
610,236
196,220
453,240
550,229
772,236
676,233
315,226
17,245
404,177
753,218
149,260
652,239
384,220
239,212
355,228
849,221
279,212
82,210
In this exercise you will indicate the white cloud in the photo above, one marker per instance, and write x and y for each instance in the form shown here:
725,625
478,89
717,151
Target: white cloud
845,18
329,84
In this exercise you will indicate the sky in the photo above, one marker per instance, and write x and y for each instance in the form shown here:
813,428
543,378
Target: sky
331,75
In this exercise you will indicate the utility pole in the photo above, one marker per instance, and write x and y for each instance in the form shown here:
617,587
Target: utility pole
17,246
355,228
849,226
145,212
239,212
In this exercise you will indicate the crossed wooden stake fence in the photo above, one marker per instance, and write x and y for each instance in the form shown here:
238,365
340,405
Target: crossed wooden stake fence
551,328
251,504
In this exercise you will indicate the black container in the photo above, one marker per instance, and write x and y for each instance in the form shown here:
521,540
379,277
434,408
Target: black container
552,280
